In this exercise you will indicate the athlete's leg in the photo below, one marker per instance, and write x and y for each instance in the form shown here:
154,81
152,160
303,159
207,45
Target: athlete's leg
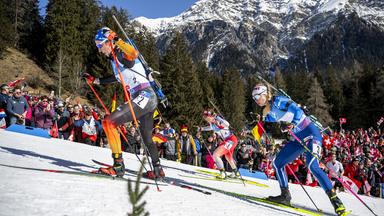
313,165
231,143
220,151
121,115
287,154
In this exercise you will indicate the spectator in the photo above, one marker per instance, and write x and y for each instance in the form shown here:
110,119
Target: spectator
337,171
170,148
134,141
29,118
89,128
4,118
199,142
17,107
244,157
44,114
168,131
76,132
206,153
294,170
63,121
159,140
186,147
352,172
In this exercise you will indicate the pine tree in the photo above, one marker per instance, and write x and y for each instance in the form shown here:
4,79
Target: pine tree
334,94
233,100
70,27
181,84
30,29
6,25
317,104
207,82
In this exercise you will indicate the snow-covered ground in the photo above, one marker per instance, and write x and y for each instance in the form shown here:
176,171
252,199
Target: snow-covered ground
28,192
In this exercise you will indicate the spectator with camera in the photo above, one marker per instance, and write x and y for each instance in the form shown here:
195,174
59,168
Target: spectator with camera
44,114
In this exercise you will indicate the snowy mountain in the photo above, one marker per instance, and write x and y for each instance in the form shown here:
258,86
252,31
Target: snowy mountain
26,190
263,31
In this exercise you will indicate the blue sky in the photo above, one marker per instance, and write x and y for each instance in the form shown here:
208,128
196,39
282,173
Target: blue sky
147,8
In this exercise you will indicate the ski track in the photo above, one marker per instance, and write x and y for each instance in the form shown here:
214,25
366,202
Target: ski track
28,192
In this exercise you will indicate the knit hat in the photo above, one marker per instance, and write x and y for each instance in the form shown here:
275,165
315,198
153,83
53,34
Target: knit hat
184,128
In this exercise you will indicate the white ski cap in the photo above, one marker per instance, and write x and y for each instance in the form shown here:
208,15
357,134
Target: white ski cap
259,90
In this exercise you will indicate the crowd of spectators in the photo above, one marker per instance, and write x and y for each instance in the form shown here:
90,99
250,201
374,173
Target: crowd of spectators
357,156
62,119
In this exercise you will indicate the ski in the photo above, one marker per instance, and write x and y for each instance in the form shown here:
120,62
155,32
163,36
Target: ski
79,173
210,179
168,180
214,174
281,207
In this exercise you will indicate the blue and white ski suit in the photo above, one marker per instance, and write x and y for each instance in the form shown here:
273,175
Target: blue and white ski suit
285,110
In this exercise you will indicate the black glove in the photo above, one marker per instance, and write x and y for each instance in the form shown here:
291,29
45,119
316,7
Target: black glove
287,127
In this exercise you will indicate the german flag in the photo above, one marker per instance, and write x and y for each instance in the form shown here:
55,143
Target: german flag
257,132
158,138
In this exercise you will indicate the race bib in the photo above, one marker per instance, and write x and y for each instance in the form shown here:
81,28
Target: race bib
316,148
142,99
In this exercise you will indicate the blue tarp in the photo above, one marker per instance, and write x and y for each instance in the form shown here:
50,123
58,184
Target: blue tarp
256,174
29,130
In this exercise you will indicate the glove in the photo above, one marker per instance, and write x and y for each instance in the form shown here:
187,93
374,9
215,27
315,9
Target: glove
287,127
88,77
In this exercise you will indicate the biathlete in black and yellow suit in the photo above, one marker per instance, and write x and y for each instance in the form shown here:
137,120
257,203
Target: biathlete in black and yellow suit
142,97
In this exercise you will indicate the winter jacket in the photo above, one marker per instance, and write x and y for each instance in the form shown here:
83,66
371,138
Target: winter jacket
186,145
16,105
170,146
89,128
43,119
64,121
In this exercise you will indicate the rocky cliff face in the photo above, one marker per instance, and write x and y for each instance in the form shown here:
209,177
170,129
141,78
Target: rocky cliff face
293,34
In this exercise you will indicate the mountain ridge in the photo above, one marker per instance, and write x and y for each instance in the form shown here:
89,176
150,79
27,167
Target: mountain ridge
268,32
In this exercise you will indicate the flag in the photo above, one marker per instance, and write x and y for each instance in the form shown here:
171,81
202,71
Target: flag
158,138
257,132
54,132
343,120
381,120
113,107
156,113
12,84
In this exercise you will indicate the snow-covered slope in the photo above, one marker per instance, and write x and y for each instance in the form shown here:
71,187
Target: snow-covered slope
28,192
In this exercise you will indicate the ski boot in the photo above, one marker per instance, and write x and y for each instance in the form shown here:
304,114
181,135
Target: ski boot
157,172
118,168
336,203
222,175
284,198
235,174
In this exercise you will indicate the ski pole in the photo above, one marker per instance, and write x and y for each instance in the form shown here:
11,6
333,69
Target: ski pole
330,170
98,98
297,179
107,112
130,105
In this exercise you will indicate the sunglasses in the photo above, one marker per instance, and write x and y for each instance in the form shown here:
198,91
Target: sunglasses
101,44
256,97
45,101
17,92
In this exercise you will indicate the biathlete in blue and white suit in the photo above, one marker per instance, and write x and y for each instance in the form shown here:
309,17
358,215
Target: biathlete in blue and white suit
282,109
